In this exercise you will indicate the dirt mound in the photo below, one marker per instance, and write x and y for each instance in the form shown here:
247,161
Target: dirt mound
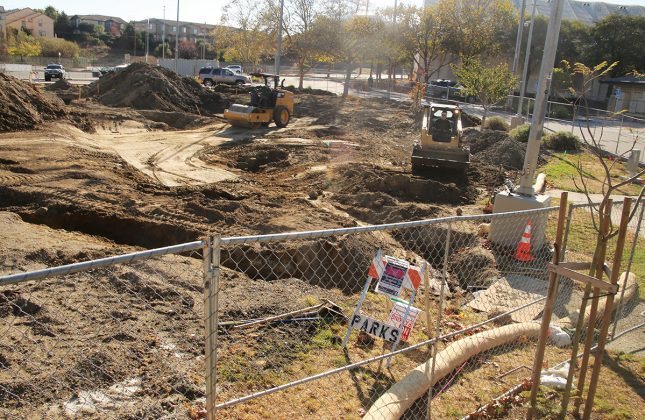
143,86
23,106
375,208
61,84
474,268
432,189
495,148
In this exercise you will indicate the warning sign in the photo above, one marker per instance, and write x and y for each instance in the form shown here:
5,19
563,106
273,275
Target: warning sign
396,318
376,328
392,277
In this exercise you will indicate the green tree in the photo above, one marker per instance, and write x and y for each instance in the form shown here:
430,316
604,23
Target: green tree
158,51
490,84
474,27
50,47
23,45
574,42
51,12
63,26
618,38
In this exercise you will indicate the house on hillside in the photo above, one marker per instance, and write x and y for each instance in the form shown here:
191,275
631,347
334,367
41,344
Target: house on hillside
628,93
35,23
111,24
185,30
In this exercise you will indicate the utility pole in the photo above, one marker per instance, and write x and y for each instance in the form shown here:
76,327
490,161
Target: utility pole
518,41
163,36
544,85
527,54
147,36
177,39
278,50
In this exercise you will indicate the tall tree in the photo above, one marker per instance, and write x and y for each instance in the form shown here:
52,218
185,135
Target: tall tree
473,27
618,38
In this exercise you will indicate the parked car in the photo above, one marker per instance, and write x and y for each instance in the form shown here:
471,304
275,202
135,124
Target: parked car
443,88
54,71
211,76
237,69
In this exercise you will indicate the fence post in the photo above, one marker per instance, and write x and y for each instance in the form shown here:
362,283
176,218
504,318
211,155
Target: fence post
604,327
548,308
433,346
619,311
620,130
211,265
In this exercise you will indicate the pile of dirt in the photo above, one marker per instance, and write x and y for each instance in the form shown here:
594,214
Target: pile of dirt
23,106
473,268
61,84
495,148
143,86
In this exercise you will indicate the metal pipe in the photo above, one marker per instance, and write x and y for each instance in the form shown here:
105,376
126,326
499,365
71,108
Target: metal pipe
102,262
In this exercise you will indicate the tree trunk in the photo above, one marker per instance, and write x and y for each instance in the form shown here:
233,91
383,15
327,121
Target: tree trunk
348,76
481,128
301,69
371,69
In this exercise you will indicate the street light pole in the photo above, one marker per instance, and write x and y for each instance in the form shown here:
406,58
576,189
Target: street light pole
177,39
163,36
147,36
544,84
527,54
518,41
278,50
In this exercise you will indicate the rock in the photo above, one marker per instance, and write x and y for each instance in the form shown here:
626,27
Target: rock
41,211
313,195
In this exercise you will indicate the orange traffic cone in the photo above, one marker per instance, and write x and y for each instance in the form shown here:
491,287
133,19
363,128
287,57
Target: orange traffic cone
523,252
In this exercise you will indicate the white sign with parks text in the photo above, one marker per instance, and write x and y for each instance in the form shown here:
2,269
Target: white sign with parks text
376,328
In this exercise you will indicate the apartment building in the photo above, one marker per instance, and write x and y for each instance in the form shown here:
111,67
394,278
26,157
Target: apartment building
36,23
185,30
111,24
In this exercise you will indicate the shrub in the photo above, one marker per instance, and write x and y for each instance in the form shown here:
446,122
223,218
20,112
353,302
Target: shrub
561,112
50,47
496,123
521,133
561,141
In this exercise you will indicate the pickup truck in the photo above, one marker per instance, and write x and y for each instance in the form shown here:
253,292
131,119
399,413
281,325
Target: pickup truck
54,71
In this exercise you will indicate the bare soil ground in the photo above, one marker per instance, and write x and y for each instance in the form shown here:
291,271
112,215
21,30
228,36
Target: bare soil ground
126,342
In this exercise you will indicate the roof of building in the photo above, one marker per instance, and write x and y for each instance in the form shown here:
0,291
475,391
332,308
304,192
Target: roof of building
625,80
99,18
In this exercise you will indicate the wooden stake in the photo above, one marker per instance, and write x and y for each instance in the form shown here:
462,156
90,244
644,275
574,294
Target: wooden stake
586,352
604,328
548,307
598,260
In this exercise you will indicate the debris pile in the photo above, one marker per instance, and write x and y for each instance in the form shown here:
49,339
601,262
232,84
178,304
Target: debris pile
143,86
495,148
23,106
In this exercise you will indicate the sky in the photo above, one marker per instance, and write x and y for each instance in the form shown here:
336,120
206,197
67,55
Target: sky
189,10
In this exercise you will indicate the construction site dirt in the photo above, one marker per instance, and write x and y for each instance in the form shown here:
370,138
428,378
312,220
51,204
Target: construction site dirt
151,177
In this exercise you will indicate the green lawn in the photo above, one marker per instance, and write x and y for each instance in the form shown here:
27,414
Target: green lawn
562,168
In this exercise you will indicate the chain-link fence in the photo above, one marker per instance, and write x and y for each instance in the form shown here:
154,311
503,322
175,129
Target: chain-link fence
390,321
120,337
300,321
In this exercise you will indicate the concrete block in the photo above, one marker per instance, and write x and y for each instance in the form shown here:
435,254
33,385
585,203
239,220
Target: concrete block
508,230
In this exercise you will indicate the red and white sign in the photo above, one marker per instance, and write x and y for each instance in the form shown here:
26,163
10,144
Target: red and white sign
396,318
393,274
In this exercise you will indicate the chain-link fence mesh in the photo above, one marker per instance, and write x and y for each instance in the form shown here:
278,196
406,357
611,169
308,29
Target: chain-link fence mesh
121,341
285,303
127,339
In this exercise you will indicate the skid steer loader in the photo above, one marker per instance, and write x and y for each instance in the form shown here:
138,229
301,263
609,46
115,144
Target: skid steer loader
268,103
440,145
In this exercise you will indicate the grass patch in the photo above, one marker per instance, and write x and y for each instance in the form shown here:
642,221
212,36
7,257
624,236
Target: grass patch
561,169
